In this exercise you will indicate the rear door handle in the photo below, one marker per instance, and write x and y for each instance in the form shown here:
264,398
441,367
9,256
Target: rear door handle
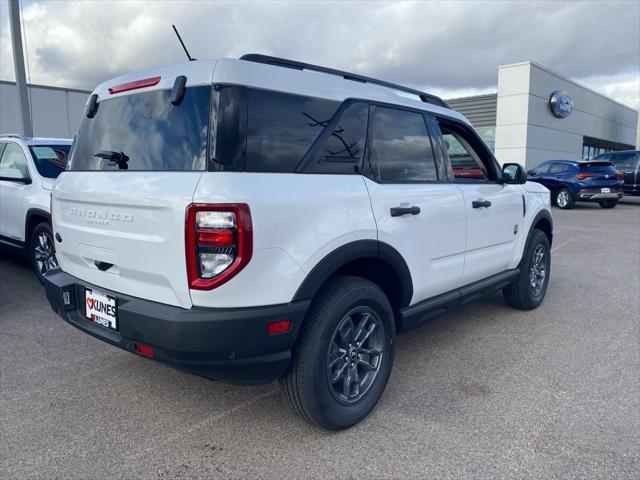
481,203
399,211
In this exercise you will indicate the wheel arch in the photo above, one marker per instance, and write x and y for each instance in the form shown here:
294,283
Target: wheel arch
34,217
542,221
370,259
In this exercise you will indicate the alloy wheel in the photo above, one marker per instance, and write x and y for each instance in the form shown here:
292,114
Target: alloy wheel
538,270
563,198
355,354
44,253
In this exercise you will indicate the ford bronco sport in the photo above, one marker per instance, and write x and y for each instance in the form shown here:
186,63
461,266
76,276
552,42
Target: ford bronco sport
259,219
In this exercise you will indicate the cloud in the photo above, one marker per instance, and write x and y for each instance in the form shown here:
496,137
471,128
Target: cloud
442,47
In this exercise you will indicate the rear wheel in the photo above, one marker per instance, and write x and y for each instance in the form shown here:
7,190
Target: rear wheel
528,291
564,199
608,203
343,360
42,250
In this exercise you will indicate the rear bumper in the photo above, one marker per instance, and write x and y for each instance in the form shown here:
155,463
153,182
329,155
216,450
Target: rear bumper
587,196
229,345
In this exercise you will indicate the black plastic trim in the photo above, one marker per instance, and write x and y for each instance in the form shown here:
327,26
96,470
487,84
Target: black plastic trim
12,242
357,250
226,344
542,214
415,315
33,212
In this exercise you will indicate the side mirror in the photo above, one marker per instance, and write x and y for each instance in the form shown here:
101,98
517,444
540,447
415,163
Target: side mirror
513,173
14,175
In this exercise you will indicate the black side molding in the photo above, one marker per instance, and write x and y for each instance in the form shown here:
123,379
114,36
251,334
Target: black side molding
415,315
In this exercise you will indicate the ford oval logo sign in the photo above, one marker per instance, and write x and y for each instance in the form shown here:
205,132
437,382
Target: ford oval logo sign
561,104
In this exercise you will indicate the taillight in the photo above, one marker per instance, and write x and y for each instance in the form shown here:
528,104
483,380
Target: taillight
620,176
582,176
219,243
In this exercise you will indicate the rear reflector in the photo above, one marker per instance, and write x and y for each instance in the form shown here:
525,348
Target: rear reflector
145,82
281,326
145,350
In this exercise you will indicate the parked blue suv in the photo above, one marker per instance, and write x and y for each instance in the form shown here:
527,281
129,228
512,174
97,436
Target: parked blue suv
584,181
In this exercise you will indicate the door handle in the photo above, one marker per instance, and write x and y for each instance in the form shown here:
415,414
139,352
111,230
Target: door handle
399,211
480,203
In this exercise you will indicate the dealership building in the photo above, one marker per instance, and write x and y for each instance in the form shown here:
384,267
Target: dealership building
536,115
539,115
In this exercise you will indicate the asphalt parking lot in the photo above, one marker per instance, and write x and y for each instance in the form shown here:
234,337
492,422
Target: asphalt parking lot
484,392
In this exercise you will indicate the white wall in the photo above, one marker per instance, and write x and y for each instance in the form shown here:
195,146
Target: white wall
56,112
528,133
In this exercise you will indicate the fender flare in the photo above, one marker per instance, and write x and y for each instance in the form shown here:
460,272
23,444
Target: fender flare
349,252
34,212
542,214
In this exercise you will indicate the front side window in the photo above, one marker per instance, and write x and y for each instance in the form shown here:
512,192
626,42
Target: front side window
281,127
401,149
541,169
12,157
145,131
465,162
50,160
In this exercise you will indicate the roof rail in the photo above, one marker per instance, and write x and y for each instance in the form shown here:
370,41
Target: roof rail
283,62
13,135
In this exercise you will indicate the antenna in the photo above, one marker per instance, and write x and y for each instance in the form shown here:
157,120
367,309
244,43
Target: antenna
191,59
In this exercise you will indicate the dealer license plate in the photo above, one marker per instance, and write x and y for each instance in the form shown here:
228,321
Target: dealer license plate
605,190
101,308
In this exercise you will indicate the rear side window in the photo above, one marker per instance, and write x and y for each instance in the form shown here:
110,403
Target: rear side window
400,147
560,168
340,147
144,131
282,127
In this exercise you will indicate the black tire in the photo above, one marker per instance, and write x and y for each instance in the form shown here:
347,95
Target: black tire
608,203
42,250
522,294
563,199
307,386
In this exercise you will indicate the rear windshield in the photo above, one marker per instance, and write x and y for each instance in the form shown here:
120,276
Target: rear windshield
50,160
144,131
597,167
627,161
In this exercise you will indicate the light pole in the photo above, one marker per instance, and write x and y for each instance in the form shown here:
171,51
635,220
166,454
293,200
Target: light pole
18,62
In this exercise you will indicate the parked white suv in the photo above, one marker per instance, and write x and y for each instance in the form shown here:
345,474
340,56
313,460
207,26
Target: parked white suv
259,219
28,169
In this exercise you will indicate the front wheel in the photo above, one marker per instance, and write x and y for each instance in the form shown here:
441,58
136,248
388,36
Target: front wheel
343,360
608,203
42,250
528,291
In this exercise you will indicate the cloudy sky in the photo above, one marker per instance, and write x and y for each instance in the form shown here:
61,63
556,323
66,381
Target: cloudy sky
448,48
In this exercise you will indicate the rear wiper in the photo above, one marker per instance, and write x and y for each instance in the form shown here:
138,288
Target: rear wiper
115,158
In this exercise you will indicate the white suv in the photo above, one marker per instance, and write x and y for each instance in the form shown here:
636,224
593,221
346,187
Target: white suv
28,169
259,219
